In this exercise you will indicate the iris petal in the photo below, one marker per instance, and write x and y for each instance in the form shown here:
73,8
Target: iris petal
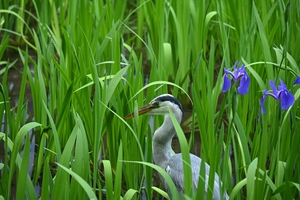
242,71
244,85
282,86
273,87
227,72
262,103
287,99
226,84
235,72
297,81
282,94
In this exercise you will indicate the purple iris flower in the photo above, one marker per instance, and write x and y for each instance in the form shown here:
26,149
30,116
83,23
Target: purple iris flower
297,81
282,95
237,74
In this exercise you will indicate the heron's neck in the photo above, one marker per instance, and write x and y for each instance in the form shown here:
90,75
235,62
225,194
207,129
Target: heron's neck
162,139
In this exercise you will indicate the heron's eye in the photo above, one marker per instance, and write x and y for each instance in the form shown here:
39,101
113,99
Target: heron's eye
155,104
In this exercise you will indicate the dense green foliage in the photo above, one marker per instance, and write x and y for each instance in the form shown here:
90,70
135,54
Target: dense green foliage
89,63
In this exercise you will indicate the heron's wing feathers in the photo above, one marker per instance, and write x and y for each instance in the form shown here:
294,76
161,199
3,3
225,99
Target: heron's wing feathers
175,170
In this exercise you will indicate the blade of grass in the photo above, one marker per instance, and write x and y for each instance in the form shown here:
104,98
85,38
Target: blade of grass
88,189
46,189
108,179
163,173
264,41
186,162
161,192
251,179
15,153
54,132
160,83
23,172
62,176
80,164
118,175
130,194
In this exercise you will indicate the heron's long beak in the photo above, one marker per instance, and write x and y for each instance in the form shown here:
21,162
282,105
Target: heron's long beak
143,110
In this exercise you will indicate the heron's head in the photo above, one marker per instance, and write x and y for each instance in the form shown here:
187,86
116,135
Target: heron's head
161,106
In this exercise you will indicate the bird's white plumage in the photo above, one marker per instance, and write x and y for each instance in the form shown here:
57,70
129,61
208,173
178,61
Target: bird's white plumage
162,151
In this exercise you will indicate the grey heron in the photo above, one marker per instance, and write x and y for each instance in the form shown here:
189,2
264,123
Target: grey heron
163,155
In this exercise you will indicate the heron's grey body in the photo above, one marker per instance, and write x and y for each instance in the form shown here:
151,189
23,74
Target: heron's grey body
163,154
